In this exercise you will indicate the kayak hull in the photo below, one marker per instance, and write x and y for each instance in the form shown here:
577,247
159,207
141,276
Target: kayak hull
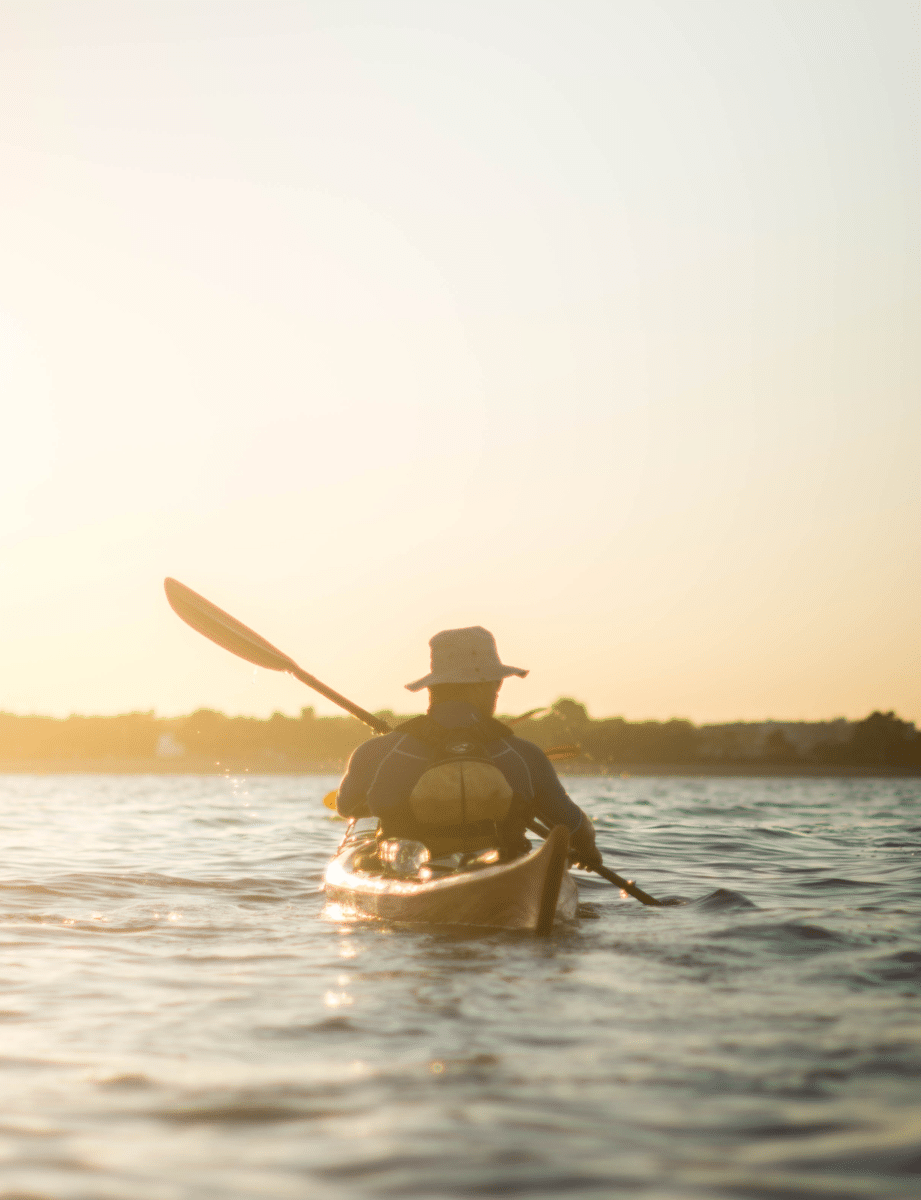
529,893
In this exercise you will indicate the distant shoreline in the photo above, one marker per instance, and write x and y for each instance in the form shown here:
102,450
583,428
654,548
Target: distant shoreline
209,743
158,766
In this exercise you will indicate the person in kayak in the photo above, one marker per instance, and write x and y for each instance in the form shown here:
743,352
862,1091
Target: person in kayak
457,779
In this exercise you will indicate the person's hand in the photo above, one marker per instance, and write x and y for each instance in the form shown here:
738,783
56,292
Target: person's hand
582,849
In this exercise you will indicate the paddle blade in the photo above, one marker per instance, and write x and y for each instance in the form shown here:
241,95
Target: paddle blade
559,753
330,799
220,627
524,716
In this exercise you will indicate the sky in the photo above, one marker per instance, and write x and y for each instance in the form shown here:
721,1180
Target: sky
593,323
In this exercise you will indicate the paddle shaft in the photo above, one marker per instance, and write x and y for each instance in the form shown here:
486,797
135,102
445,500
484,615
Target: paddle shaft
611,876
375,723
630,888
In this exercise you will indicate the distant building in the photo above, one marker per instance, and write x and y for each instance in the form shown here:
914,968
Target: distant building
806,735
741,740
168,747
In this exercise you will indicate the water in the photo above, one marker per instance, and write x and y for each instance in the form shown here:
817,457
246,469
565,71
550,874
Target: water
180,1021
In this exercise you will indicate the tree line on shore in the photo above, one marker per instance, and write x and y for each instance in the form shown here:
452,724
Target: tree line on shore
209,738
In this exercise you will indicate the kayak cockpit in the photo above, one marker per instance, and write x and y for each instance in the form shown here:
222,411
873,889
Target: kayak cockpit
397,880
403,858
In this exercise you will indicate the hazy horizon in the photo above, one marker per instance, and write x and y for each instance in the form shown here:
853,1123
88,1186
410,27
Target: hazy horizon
408,710
593,324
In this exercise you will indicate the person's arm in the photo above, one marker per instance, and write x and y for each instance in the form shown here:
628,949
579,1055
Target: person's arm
554,807
352,797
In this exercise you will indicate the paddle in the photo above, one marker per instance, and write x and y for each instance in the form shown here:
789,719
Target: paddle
631,889
239,639
220,627
524,716
626,885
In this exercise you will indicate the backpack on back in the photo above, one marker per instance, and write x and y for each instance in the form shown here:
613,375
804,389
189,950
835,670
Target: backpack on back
462,802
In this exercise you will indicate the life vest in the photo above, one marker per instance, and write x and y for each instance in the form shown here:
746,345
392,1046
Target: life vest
461,802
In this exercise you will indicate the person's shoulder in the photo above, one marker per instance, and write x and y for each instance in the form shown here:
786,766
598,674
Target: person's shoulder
376,747
525,748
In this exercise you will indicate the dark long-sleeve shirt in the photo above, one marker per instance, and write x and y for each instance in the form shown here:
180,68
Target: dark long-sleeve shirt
382,772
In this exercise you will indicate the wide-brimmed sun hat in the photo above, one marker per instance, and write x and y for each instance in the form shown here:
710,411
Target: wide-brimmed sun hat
465,656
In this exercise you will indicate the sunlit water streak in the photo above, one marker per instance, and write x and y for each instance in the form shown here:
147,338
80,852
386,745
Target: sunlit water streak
180,1021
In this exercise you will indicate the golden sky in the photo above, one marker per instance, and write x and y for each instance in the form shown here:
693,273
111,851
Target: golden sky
592,323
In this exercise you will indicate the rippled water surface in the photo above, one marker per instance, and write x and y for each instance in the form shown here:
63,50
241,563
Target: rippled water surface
180,1020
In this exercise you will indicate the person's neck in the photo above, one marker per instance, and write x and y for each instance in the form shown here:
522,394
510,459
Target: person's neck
457,710
482,697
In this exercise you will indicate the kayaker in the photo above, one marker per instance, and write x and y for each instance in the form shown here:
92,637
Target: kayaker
457,779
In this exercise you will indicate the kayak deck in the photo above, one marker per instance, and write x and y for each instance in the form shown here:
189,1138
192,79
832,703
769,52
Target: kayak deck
528,893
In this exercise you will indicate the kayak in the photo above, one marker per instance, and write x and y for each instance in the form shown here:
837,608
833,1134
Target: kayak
528,893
